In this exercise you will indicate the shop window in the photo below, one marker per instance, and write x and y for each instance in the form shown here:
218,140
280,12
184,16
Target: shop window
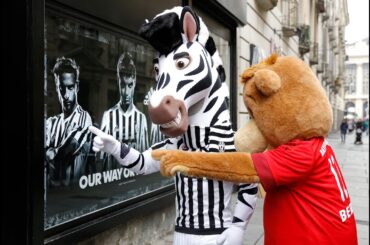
94,77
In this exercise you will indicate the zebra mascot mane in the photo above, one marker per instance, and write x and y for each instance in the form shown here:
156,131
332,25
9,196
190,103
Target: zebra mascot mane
190,87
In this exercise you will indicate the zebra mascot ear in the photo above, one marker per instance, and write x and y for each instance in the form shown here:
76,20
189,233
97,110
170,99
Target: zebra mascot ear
190,24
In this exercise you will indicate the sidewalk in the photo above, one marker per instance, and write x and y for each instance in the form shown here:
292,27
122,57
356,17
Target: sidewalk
354,162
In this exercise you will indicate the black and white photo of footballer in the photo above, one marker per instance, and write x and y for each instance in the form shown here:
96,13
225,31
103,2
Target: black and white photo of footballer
124,121
67,139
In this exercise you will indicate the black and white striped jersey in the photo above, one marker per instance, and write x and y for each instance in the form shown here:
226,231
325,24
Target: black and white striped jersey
156,135
72,132
203,206
127,127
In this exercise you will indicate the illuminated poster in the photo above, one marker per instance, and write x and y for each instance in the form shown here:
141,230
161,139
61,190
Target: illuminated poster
101,78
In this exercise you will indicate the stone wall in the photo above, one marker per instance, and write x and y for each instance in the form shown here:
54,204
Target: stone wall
141,230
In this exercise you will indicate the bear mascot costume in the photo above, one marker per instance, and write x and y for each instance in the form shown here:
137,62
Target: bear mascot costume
283,147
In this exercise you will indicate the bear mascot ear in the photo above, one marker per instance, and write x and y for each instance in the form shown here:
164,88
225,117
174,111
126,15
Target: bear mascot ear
267,81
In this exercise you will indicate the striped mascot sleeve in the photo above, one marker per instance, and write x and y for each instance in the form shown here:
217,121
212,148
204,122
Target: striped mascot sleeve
247,197
221,139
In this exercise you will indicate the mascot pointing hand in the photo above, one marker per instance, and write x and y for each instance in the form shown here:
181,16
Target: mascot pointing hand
283,147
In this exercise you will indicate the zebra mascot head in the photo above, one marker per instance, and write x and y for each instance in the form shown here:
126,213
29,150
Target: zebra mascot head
190,88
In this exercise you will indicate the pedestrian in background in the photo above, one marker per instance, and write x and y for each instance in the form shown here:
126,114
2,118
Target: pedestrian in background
343,130
366,126
359,129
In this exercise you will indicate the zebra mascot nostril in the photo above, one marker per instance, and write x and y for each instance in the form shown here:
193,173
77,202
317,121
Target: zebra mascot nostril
189,102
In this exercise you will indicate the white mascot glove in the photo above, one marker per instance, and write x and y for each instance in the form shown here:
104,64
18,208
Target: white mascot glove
105,142
234,235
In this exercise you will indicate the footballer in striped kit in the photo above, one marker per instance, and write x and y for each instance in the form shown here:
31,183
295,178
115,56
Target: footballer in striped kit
67,138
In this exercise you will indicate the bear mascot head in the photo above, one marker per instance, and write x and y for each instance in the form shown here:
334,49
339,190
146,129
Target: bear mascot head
286,102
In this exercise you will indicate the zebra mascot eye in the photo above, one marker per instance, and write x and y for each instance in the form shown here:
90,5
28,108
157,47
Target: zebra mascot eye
156,69
182,63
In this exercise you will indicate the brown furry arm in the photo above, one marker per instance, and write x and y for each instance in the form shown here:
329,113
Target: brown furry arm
234,167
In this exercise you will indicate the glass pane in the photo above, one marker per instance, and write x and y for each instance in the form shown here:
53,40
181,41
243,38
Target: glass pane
223,47
351,71
221,35
101,78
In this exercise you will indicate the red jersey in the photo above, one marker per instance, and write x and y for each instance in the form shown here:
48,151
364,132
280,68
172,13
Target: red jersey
307,201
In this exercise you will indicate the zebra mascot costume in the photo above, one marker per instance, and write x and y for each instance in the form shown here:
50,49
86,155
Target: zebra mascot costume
190,105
